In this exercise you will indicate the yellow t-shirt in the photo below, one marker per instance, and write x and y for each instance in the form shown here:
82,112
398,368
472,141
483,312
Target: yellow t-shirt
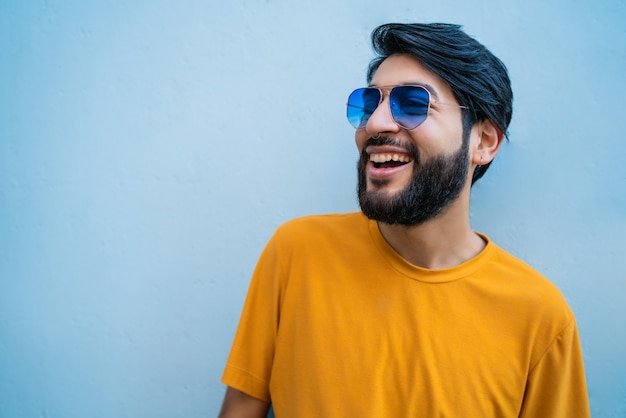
337,324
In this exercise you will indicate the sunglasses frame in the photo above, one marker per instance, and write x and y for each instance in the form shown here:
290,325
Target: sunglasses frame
389,89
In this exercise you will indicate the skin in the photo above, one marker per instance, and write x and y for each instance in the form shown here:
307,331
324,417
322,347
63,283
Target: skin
446,240
241,405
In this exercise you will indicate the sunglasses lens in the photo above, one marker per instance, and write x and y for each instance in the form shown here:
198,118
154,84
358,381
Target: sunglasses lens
361,104
409,105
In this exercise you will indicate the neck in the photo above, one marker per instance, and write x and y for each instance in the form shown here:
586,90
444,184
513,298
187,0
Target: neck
442,242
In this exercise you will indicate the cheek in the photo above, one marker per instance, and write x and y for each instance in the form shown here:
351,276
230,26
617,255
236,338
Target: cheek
441,138
360,138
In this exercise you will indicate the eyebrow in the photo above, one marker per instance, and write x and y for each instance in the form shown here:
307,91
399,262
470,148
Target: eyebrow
427,86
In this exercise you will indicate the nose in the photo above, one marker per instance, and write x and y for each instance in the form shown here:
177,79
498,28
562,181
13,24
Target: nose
381,121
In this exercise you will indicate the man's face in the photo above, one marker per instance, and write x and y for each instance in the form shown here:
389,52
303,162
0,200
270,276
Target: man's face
428,165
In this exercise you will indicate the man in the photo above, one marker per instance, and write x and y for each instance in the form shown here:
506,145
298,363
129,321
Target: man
402,310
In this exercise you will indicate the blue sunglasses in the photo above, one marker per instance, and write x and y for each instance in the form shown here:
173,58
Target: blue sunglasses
409,105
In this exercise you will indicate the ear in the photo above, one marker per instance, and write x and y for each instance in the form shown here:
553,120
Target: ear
487,142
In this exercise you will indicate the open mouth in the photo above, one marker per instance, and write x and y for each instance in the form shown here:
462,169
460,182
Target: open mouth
389,160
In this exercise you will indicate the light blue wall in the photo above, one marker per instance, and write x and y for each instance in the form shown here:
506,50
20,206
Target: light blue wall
149,148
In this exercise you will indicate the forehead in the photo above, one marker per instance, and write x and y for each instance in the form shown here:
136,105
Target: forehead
404,69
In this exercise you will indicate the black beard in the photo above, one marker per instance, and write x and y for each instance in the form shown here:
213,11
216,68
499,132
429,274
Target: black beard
435,184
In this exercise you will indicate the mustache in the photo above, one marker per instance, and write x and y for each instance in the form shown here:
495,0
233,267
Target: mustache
409,147
385,140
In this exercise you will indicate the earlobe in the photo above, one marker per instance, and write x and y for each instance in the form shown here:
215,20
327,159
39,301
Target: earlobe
490,139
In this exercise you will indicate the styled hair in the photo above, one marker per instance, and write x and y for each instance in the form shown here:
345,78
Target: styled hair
477,78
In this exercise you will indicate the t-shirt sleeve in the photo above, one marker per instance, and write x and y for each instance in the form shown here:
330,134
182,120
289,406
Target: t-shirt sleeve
249,364
556,385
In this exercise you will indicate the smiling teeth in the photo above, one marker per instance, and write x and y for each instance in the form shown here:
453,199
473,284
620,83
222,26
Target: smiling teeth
383,158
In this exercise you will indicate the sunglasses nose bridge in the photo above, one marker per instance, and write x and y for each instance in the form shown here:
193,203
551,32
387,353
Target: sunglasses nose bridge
381,119
390,104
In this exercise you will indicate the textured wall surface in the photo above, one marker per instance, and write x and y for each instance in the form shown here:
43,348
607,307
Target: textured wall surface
148,149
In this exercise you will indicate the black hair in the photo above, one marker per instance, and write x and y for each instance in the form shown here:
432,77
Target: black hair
477,78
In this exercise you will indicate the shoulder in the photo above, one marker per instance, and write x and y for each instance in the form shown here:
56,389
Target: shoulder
531,287
516,271
323,226
532,302
322,235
